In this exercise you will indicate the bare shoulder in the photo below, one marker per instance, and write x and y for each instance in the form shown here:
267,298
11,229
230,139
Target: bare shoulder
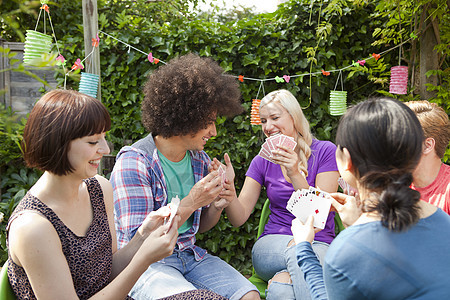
30,224
104,183
31,233
107,191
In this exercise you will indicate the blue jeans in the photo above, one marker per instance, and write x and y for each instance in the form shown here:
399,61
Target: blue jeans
271,255
180,272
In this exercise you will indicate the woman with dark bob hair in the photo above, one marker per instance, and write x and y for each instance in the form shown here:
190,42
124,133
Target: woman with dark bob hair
397,245
61,237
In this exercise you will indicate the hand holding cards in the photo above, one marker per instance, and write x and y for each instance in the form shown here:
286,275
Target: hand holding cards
347,187
272,142
174,204
306,202
221,171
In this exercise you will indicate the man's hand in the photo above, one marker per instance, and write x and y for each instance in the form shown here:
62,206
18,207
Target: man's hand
204,191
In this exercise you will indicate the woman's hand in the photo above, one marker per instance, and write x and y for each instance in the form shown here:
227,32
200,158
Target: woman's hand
154,220
161,242
348,207
304,232
227,167
228,193
287,158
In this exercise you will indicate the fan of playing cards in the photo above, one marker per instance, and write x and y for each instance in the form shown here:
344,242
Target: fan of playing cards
272,142
306,202
347,187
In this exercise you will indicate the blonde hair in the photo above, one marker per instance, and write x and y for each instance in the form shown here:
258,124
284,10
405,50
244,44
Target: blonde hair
435,123
304,137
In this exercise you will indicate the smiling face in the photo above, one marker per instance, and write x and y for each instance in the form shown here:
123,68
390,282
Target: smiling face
276,119
85,153
197,141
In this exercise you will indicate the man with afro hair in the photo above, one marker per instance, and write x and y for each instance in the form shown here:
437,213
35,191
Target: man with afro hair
181,103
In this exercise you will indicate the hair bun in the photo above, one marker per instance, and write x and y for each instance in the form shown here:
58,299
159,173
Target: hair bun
398,204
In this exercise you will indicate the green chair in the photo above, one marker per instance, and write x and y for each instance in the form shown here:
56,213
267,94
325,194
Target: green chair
260,283
6,292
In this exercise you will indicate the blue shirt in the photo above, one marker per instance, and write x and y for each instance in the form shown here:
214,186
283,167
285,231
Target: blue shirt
368,261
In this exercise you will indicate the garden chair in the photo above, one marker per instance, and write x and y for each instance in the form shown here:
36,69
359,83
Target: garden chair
260,283
6,292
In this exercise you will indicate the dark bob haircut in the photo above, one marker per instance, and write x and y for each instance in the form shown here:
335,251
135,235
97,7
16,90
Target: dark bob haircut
59,117
184,96
384,139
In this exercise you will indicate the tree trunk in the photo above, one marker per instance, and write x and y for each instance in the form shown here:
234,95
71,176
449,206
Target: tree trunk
429,58
90,24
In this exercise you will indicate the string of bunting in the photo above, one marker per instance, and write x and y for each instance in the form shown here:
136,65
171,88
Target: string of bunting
37,44
337,102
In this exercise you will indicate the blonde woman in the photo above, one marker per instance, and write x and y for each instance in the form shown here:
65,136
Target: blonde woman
311,163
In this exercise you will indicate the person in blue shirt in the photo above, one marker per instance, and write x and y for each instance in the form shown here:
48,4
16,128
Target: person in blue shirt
397,245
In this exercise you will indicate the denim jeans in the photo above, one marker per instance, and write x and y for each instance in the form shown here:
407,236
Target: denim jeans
271,255
180,272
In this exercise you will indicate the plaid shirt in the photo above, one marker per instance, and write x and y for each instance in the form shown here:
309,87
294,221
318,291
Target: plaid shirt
140,188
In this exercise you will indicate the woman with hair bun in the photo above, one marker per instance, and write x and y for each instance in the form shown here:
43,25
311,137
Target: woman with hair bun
397,245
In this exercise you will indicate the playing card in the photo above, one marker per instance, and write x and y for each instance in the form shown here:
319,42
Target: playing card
271,144
273,141
174,203
318,192
267,147
296,195
307,202
321,209
265,154
345,186
221,171
289,142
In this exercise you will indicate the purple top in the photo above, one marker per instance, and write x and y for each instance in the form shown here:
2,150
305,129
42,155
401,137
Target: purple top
269,175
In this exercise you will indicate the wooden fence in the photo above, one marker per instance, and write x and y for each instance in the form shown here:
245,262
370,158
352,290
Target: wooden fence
18,90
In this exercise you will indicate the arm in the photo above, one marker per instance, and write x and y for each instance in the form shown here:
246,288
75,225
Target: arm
122,257
327,181
312,270
307,259
156,246
241,207
35,245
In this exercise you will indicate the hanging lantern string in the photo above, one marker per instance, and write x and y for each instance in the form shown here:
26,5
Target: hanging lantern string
261,86
51,25
250,78
37,22
129,46
70,71
342,80
318,73
265,79
53,30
